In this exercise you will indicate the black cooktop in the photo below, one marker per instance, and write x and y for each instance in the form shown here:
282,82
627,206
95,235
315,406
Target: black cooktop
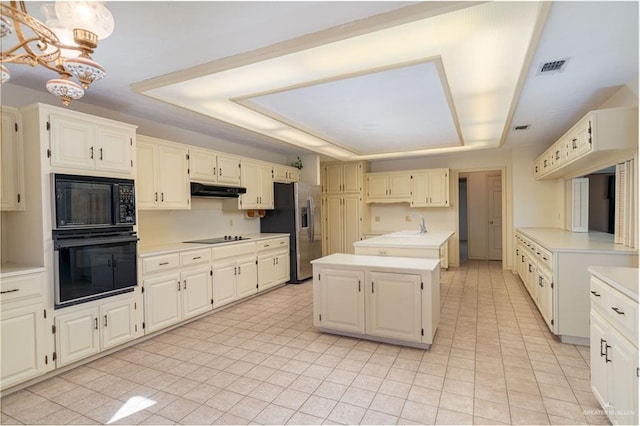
218,240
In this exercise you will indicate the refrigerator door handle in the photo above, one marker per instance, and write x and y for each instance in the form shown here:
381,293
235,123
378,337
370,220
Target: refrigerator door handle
311,225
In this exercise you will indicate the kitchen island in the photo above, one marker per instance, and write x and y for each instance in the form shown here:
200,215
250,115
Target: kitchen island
389,299
430,245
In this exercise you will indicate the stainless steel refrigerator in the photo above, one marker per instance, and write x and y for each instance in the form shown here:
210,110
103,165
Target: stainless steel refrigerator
296,210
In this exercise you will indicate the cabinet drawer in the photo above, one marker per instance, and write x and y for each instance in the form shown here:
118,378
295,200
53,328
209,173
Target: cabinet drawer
272,244
599,294
160,263
195,257
623,313
544,257
233,250
21,286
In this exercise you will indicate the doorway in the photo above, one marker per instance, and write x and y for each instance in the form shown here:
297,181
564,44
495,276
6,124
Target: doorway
480,215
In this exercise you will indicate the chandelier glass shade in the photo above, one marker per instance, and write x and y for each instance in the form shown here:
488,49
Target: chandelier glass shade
64,45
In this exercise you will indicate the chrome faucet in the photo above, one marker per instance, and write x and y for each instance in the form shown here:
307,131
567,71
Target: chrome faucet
423,228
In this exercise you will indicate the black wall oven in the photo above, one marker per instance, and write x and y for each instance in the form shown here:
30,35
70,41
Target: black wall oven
95,246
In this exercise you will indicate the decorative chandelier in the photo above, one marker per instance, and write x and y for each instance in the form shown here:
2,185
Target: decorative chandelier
63,45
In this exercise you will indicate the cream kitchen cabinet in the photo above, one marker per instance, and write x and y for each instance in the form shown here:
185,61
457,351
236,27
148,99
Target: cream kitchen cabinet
394,300
614,342
86,144
343,178
212,167
82,332
601,138
25,350
257,178
343,222
430,188
163,178
11,161
177,294
285,174
388,187
273,262
235,273
22,331
341,301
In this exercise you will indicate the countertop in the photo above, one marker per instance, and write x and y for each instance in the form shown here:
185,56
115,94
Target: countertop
408,239
625,280
157,249
405,264
557,239
14,269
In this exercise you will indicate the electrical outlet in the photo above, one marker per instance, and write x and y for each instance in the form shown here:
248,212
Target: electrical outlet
377,218
407,218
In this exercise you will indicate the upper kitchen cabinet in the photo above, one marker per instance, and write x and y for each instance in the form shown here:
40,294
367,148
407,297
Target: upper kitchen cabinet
256,177
285,174
79,143
163,179
600,139
212,167
343,178
430,188
388,187
12,161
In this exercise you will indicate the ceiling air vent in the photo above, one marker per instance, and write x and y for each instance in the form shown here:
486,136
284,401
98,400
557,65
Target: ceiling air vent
553,67
521,127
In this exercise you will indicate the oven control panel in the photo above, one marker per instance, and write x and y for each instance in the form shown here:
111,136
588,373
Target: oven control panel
126,205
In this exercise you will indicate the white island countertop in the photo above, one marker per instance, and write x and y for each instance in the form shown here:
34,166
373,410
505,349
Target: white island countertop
625,280
408,239
404,264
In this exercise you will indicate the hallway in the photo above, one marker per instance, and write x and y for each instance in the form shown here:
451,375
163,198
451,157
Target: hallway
262,362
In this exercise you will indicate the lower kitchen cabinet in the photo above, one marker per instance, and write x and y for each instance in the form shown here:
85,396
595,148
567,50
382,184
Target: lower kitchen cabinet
614,343
273,262
233,280
22,348
390,299
342,301
162,305
395,306
196,291
85,332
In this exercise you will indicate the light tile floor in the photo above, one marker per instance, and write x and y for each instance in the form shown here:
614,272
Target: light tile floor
262,362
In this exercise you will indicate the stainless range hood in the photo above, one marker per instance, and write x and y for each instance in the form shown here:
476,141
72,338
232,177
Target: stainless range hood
215,191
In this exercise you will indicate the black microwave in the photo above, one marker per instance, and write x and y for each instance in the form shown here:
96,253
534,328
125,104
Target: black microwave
92,201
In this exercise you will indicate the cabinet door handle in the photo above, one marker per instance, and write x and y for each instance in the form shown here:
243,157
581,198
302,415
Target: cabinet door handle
13,290
178,285
606,353
595,293
91,153
197,257
235,271
540,281
214,171
602,353
156,196
163,263
96,323
162,196
239,270
105,321
358,286
101,153
530,268
184,286
617,310
220,171
372,288
573,143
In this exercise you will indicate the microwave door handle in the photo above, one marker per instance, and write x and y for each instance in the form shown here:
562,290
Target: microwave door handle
93,242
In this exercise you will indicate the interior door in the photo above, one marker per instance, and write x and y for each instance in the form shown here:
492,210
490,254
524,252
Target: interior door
494,187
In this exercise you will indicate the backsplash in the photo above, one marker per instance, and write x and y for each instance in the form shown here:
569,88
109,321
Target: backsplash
207,218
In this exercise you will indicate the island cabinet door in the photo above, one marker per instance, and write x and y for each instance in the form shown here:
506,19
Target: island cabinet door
342,300
395,306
